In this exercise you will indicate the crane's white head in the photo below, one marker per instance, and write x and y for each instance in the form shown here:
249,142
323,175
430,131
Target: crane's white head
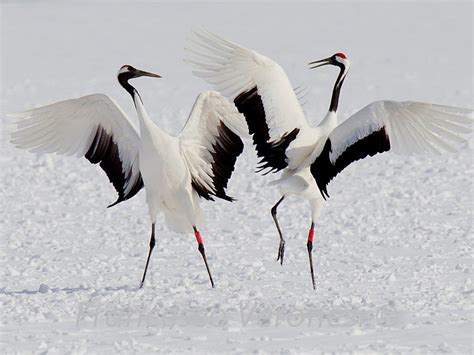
339,59
127,72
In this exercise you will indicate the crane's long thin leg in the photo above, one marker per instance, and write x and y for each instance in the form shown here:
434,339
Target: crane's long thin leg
309,245
203,253
281,248
152,245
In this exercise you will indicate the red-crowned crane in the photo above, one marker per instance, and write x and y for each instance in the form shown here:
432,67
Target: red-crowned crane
175,171
310,157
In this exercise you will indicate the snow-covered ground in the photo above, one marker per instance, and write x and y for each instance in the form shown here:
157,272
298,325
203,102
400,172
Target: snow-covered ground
393,257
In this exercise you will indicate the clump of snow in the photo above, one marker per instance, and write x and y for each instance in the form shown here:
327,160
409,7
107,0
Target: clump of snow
43,288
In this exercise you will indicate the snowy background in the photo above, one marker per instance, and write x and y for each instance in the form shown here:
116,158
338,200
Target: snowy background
393,256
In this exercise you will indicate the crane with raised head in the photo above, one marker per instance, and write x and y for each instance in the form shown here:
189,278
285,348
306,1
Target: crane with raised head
175,171
310,157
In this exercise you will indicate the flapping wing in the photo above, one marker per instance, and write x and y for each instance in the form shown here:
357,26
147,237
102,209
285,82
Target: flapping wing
260,90
210,144
92,126
402,127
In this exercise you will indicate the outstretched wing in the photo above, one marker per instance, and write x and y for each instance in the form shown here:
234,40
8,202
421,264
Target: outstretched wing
402,127
260,90
210,144
92,126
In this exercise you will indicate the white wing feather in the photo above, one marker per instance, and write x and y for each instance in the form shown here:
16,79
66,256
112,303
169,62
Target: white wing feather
233,69
68,127
412,127
201,132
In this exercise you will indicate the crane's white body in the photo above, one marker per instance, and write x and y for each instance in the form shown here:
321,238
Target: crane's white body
299,180
166,176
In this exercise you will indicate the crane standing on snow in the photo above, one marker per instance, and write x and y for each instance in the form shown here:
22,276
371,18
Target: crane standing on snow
310,157
175,171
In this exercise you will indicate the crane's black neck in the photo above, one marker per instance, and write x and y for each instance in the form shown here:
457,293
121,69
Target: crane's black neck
337,88
123,79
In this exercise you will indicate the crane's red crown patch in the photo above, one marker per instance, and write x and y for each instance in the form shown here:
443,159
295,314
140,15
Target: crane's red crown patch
342,55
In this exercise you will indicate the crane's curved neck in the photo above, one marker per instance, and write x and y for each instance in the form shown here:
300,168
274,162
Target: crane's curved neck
330,121
123,80
146,124
337,88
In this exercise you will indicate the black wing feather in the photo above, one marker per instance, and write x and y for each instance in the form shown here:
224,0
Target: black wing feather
104,151
324,171
273,154
225,150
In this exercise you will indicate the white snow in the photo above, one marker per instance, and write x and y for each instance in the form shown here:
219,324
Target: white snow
393,257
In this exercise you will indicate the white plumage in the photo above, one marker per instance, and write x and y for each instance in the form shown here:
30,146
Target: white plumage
68,127
233,70
200,133
310,157
176,171
413,127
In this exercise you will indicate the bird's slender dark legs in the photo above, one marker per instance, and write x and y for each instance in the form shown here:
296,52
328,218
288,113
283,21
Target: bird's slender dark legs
203,253
281,248
310,249
152,245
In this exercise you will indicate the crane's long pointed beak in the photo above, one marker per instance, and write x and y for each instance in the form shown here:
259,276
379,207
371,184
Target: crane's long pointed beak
145,73
319,63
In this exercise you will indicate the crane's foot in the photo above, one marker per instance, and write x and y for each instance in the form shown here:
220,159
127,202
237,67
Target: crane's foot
281,251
